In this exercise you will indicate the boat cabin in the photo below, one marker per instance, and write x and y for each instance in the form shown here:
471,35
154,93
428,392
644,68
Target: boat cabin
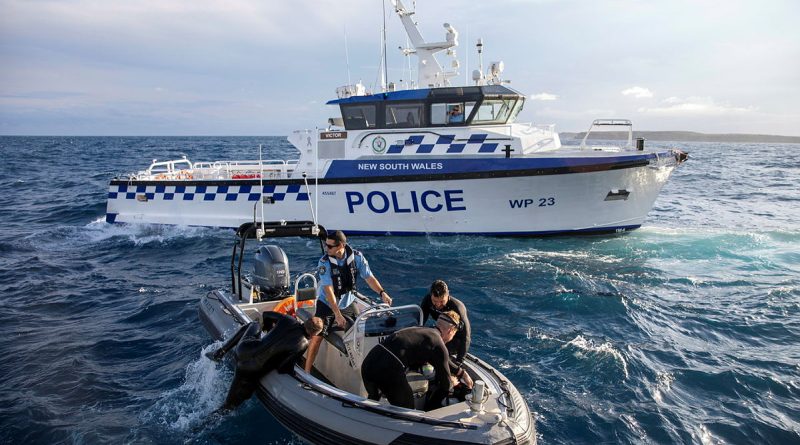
432,107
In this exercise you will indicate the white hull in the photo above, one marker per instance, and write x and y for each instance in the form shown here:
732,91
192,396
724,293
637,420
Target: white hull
592,201
439,159
323,414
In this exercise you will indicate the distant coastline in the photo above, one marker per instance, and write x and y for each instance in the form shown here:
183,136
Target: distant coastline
685,136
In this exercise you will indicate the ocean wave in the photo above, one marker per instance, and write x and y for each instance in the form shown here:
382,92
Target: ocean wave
683,331
587,347
205,385
141,234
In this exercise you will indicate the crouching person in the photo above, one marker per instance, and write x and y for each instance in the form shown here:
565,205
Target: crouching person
256,356
384,368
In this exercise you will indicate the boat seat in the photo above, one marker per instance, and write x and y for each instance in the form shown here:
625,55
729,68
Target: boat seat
419,388
335,336
417,382
336,340
305,303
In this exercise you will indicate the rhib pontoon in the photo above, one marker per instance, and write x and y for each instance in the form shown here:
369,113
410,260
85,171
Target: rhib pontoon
433,158
330,406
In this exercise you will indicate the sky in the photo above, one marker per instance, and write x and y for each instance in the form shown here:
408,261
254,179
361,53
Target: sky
247,67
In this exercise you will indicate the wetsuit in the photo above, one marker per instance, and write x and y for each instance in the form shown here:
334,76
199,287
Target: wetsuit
459,345
256,356
384,368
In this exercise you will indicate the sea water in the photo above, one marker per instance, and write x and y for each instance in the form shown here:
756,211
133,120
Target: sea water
684,331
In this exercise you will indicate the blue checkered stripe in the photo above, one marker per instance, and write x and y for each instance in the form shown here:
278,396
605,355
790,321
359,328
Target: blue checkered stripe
443,144
209,192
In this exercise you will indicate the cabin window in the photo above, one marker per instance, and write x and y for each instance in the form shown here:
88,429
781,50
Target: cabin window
451,113
515,112
404,115
494,111
359,117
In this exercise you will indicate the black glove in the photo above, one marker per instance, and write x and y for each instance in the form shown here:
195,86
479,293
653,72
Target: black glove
215,356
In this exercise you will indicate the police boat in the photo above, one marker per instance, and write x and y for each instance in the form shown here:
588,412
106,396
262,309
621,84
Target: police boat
329,406
429,157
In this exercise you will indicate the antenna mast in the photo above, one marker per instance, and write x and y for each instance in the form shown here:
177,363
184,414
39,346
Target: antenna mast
347,55
429,71
385,80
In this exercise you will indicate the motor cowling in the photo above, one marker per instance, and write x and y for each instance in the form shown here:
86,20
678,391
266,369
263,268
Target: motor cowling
271,271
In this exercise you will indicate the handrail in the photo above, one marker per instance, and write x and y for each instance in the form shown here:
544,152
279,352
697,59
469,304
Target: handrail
174,169
169,166
609,123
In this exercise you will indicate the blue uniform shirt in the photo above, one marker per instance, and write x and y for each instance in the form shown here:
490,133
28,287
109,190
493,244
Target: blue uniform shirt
325,279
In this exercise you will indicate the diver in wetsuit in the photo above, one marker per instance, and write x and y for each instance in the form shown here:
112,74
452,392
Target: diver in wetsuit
438,301
256,356
384,368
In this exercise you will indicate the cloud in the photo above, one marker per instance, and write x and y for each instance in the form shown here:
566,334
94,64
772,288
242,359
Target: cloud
699,106
544,96
637,92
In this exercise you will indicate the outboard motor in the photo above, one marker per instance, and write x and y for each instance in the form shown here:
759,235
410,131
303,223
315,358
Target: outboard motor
271,272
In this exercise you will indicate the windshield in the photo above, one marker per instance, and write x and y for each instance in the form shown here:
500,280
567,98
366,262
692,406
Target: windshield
494,111
386,322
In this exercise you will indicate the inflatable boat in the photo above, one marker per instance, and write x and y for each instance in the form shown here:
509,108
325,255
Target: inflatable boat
330,405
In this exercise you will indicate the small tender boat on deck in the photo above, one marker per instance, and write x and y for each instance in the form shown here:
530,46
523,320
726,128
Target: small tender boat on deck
330,406
433,158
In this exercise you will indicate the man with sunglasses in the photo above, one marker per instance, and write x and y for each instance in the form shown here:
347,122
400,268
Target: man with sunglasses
339,271
439,301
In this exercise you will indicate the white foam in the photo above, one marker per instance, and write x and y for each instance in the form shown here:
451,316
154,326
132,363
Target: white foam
706,438
140,234
605,349
203,390
663,385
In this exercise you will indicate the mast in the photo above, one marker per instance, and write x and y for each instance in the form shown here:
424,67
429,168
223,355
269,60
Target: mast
429,71
385,80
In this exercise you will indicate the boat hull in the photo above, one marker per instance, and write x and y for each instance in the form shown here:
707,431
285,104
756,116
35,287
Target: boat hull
333,422
591,198
322,414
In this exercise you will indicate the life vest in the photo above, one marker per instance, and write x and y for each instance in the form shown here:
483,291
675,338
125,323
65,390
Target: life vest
285,306
344,277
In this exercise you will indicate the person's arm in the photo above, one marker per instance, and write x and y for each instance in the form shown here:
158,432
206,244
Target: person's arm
375,285
442,386
330,297
425,305
363,270
269,319
233,341
464,333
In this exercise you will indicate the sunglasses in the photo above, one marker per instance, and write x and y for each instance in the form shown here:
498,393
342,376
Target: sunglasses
332,246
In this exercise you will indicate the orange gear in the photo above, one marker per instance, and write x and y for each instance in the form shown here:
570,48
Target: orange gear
285,306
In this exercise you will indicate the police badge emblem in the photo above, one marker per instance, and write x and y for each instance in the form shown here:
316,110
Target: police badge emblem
379,145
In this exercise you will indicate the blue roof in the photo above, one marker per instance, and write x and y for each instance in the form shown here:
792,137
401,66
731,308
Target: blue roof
394,95
424,93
